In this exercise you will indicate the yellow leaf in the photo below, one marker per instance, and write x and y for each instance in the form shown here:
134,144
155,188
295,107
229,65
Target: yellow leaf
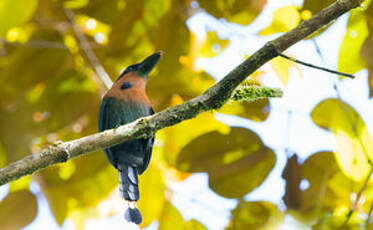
229,160
354,145
282,66
316,6
17,210
284,19
72,192
15,13
94,28
174,138
207,46
327,191
154,10
3,158
236,11
256,110
255,215
212,45
172,219
20,184
152,194
350,60
75,4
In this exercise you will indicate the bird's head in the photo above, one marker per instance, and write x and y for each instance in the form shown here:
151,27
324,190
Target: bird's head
143,68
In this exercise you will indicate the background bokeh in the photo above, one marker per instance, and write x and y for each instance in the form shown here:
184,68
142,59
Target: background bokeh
300,162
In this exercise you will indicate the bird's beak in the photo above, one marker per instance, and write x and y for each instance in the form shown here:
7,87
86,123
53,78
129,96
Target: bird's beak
149,63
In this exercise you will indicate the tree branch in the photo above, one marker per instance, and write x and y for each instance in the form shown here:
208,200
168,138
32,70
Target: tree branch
213,98
84,44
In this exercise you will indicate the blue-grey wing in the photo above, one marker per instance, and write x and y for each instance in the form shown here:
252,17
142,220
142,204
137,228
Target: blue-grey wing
148,144
114,113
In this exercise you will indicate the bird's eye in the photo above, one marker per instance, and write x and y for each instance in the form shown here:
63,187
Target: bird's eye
126,85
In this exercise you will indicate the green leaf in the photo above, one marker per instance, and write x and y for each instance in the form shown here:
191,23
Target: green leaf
255,215
18,209
354,145
15,13
236,163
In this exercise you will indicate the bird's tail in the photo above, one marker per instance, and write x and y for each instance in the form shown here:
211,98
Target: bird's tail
129,189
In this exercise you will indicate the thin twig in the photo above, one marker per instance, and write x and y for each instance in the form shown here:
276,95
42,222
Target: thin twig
315,66
43,44
84,44
37,44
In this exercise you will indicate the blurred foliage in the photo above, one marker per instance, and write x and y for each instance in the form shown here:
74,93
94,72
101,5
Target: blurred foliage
255,215
152,186
327,199
237,162
281,67
367,49
284,19
316,6
49,91
236,11
354,149
17,210
172,219
14,14
350,60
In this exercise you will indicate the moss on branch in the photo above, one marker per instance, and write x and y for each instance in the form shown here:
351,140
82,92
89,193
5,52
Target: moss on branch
254,92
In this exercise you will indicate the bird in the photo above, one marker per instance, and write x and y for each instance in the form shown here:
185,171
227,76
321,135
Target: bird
123,103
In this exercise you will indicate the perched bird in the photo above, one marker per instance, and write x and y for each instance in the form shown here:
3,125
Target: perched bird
125,102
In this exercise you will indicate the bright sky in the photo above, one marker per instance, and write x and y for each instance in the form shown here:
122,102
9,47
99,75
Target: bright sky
296,132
